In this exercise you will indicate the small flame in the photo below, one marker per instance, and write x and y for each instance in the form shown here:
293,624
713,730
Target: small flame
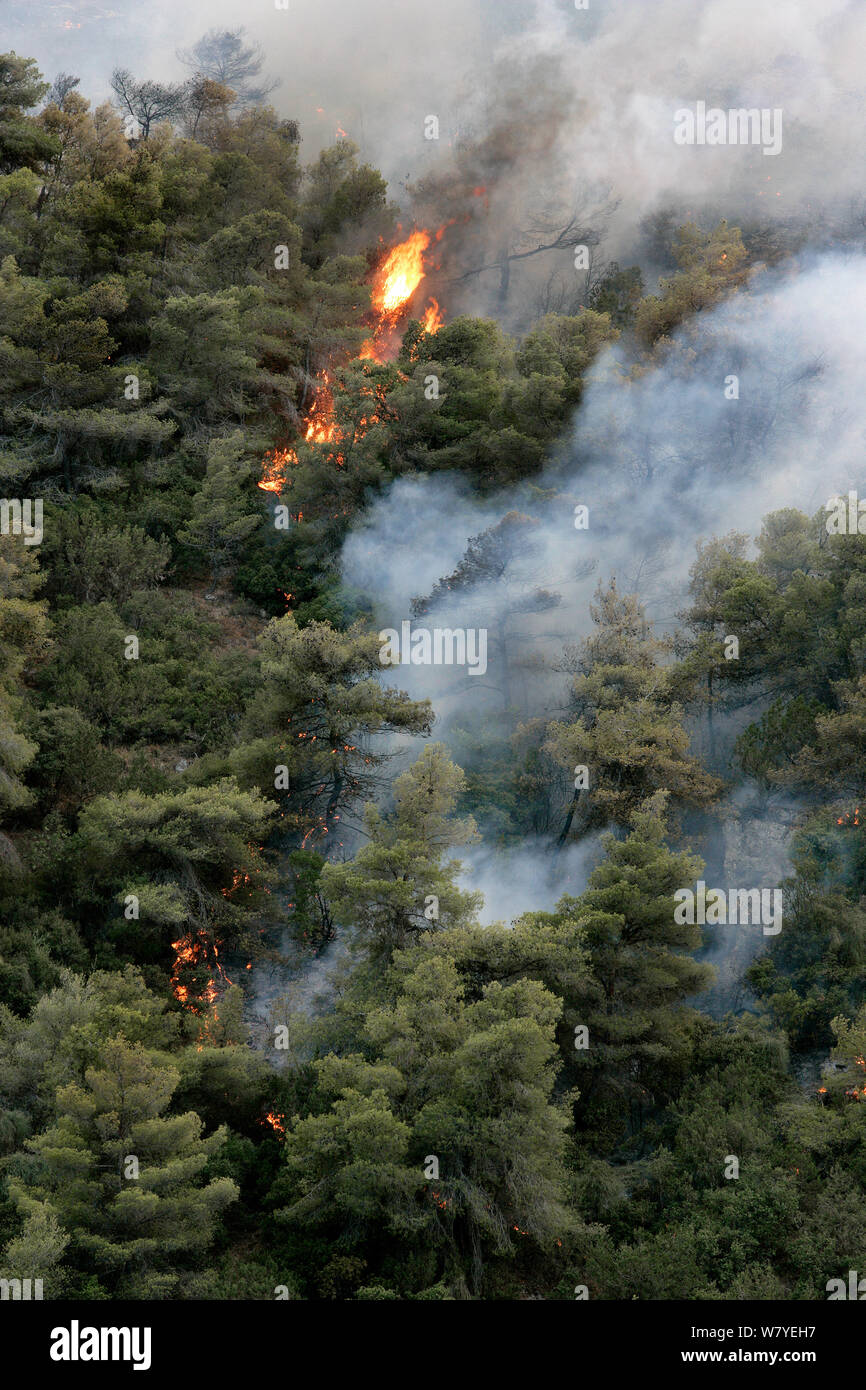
432,320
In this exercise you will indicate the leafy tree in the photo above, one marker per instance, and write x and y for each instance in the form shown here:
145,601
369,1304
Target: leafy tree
626,730
23,636
640,974
191,859
312,921
318,696
23,144
398,884
131,1228
618,294
470,1083
711,265
221,520
99,561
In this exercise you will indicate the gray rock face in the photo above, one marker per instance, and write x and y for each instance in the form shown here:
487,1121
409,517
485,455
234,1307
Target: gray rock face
753,849
757,839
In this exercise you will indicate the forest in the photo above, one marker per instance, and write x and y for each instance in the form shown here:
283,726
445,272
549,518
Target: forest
259,1037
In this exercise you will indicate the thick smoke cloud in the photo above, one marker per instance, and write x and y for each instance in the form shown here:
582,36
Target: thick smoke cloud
563,99
661,462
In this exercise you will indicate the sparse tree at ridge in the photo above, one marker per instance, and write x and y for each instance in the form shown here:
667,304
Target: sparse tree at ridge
60,88
148,102
223,56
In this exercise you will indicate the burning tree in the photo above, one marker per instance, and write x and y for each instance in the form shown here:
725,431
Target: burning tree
392,293
186,870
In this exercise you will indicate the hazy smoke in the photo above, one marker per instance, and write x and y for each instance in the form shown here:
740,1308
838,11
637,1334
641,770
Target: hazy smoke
561,103
661,462
529,878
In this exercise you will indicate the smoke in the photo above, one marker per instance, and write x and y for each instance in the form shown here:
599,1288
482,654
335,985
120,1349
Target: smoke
565,117
558,101
661,462
528,878
752,848
574,118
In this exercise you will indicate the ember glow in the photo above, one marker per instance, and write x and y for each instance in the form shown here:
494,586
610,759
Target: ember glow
192,952
394,287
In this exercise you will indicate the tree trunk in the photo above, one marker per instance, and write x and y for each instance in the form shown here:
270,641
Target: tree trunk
504,279
580,798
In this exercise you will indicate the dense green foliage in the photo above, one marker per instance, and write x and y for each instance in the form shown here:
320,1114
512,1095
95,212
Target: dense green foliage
178,754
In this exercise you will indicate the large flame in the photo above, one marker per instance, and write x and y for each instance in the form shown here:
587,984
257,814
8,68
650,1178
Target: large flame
400,274
394,287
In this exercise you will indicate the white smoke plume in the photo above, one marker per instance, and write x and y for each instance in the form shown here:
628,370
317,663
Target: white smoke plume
661,462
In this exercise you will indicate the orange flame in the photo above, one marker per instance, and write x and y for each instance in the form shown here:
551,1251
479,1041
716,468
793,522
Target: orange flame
191,951
432,320
394,286
400,274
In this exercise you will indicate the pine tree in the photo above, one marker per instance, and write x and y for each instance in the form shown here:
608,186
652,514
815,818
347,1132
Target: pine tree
626,732
640,973
400,884
122,1178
